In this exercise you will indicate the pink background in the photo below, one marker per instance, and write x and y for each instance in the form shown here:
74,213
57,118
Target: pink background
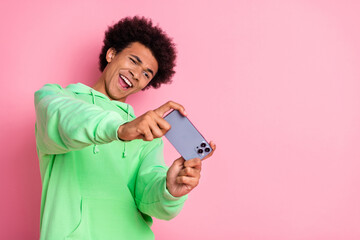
274,83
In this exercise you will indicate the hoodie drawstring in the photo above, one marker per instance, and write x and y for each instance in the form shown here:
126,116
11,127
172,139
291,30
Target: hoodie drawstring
127,120
95,147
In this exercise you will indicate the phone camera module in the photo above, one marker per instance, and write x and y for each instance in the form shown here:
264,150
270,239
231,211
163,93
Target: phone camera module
200,151
203,145
207,149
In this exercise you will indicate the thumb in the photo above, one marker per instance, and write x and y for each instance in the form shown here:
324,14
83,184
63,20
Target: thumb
179,162
176,167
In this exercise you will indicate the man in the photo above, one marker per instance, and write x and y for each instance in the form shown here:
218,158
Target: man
102,169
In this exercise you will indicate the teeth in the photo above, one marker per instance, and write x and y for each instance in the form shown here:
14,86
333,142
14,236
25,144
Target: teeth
127,81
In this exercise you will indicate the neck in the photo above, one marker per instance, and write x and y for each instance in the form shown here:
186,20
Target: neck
100,86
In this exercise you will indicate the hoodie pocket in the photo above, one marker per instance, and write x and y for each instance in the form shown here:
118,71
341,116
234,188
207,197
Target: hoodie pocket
79,232
110,219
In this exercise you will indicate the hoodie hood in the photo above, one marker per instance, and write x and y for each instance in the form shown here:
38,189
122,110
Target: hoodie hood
80,88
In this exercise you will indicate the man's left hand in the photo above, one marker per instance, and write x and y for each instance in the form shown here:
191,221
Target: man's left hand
183,176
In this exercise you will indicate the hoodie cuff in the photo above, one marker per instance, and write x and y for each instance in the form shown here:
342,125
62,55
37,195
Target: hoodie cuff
111,127
117,137
170,198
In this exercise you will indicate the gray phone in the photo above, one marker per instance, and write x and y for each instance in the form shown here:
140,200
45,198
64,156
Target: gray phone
186,139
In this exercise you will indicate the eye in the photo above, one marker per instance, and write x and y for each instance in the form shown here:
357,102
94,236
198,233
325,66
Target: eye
146,75
132,60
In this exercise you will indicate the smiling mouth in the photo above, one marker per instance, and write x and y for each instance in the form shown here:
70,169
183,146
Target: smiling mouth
125,82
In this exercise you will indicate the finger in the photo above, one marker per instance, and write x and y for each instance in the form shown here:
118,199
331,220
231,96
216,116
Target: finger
179,162
157,125
168,106
174,169
190,172
213,146
189,181
155,130
145,134
163,124
193,163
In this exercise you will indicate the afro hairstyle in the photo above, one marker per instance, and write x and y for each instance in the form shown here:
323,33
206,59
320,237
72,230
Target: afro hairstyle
139,29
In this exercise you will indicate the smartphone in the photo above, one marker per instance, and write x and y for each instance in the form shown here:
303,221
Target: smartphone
186,139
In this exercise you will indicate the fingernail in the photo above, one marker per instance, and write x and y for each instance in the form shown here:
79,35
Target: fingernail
185,113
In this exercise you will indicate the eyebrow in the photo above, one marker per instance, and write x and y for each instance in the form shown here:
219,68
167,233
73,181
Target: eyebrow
139,60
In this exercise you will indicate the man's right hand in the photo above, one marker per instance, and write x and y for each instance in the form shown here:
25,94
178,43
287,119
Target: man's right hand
150,125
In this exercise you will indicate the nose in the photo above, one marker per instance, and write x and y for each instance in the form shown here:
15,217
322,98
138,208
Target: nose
135,73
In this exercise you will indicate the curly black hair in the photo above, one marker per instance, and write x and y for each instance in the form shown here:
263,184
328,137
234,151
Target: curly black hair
140,29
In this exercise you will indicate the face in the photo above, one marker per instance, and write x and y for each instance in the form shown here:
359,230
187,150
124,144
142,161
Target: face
127,72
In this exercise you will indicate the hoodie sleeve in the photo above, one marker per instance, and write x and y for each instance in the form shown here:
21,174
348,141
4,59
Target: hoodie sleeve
151,194
64,123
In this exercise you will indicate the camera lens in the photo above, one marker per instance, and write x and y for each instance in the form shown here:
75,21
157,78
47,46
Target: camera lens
200,151
207,149
203,145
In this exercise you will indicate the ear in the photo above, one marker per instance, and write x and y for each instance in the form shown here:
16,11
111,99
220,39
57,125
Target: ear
110,54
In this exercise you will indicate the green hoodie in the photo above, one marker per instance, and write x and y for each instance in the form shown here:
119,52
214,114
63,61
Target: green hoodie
96,186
